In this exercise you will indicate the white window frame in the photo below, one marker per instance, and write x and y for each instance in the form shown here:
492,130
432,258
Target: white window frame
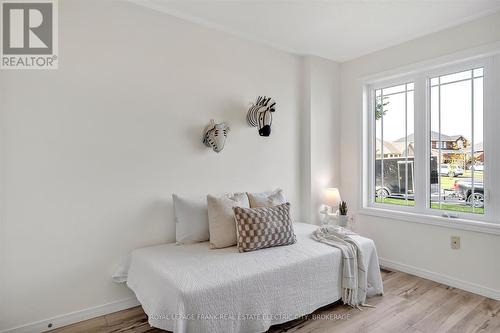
371,134
422,212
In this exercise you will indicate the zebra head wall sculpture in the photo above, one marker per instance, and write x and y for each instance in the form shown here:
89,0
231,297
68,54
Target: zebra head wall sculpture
260,114
215,135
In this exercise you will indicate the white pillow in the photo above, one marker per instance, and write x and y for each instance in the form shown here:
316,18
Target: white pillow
221,221
266,199
191,219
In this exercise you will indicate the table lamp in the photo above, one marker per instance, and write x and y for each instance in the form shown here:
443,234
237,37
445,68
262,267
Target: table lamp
332,199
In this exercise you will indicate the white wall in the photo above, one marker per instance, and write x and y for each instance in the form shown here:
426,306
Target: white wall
321,116
91,152
416,246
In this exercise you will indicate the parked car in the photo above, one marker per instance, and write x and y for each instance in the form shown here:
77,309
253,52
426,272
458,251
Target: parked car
450,170
464,189
477,167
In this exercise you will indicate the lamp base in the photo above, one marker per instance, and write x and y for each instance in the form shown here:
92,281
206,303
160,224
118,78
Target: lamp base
329,215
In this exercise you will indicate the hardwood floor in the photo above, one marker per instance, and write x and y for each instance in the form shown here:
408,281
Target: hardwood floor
410,305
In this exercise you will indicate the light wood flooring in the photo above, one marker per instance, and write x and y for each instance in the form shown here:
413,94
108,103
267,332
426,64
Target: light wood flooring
410,305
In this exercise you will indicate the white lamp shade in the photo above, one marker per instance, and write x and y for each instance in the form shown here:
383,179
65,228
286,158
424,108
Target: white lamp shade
332,197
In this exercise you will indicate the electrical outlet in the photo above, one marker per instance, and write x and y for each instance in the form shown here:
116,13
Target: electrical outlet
455,242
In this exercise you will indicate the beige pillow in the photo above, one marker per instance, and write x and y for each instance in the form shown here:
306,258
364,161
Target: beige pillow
221,224
266,199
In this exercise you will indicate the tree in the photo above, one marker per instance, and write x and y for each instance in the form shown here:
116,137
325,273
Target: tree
380,109
457,159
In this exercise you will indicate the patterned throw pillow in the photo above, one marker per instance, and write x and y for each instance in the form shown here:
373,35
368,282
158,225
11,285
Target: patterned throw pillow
258,228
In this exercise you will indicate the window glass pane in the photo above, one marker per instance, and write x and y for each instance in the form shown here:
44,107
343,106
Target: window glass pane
378,144
410,151
476,164
478,72
434,81
434,142
394,90
410,86
394,146
456,129
456,77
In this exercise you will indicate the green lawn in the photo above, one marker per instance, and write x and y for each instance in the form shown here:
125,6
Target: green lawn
395,201
447,183
457,207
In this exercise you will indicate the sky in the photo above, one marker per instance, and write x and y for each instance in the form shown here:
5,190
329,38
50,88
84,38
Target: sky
456,112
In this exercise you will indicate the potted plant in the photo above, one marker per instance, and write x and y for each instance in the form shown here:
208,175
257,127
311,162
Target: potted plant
343,214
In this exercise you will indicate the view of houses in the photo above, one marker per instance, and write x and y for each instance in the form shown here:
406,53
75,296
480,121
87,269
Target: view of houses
453,166
454,149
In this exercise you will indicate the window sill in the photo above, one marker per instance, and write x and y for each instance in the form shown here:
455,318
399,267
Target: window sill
452,223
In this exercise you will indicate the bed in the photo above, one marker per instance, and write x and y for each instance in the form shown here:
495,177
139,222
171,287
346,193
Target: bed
191,288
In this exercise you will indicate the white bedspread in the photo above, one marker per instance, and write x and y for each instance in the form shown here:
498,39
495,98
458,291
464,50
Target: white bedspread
191,288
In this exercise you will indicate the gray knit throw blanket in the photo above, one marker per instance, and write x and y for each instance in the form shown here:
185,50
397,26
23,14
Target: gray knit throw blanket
354,283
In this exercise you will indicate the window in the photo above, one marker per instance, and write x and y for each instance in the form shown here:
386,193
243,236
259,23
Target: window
456,107
394,146
426,138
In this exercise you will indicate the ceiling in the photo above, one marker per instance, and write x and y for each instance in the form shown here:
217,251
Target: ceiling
338,29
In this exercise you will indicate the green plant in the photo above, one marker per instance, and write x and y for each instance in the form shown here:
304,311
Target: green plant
380,109
343,208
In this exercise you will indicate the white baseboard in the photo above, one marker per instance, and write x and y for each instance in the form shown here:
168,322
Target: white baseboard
74,317
441,278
